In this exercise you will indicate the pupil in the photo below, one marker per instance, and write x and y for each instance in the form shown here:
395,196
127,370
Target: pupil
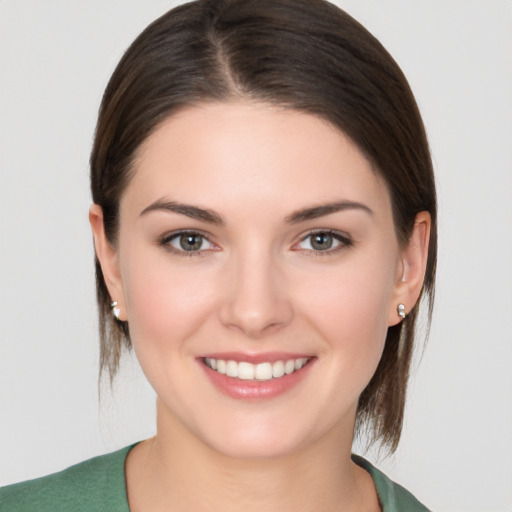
322,241
190,242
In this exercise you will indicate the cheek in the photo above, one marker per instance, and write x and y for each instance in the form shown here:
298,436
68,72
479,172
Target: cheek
351,313
355,297
165,303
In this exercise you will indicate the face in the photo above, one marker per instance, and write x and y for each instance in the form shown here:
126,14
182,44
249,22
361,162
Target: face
258,267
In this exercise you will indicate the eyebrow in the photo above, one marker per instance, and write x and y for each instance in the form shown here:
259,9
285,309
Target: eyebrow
193,212
211,217
325,209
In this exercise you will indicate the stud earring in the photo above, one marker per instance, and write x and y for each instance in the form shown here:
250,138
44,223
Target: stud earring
115,310
401,310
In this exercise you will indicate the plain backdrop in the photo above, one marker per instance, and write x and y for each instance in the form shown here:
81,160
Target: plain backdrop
55,59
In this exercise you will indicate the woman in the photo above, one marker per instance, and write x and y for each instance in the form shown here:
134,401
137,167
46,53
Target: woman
264,222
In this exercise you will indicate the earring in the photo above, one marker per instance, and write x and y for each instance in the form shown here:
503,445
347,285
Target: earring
401,310
115,310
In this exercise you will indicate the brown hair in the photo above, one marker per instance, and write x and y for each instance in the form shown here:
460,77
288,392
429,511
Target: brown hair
306,55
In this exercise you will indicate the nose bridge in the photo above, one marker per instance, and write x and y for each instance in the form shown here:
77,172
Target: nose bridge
256,301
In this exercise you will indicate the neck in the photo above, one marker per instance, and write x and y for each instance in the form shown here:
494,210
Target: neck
175,471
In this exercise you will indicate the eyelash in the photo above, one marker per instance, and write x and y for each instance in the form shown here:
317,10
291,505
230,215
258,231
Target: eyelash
166,240
344,242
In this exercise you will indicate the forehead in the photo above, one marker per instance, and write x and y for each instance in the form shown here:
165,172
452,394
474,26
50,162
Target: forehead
256,154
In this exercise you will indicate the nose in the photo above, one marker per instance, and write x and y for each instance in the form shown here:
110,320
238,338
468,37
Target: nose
256,300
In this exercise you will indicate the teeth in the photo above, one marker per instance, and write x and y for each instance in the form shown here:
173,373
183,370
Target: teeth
221,366
278,369
245,371
232,369
289,366
262,371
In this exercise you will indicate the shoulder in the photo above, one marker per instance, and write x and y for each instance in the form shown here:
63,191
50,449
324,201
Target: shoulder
96,484
392,496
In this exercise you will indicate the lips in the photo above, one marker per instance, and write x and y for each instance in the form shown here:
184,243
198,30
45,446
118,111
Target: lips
256,377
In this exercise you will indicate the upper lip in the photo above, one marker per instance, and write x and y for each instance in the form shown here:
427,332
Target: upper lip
265,357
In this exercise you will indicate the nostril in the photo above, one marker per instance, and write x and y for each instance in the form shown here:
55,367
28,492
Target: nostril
255,300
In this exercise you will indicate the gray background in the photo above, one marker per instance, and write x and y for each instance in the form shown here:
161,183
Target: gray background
55,59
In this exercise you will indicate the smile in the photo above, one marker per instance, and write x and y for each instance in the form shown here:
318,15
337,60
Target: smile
244,370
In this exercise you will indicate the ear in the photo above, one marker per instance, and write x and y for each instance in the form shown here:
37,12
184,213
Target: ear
107,256
411,272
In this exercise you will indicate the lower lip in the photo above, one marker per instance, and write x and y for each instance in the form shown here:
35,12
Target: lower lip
254,389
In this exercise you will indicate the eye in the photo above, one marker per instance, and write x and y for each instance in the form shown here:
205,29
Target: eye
324,241
188,241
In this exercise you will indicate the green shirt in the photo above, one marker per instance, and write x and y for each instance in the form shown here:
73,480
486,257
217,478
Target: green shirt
98,485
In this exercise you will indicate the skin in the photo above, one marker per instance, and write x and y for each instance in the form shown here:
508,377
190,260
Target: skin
256,285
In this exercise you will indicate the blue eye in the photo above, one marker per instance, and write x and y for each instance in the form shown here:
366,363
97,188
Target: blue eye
188,241
323,241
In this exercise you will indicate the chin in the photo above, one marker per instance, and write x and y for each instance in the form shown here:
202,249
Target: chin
261,448
263,439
